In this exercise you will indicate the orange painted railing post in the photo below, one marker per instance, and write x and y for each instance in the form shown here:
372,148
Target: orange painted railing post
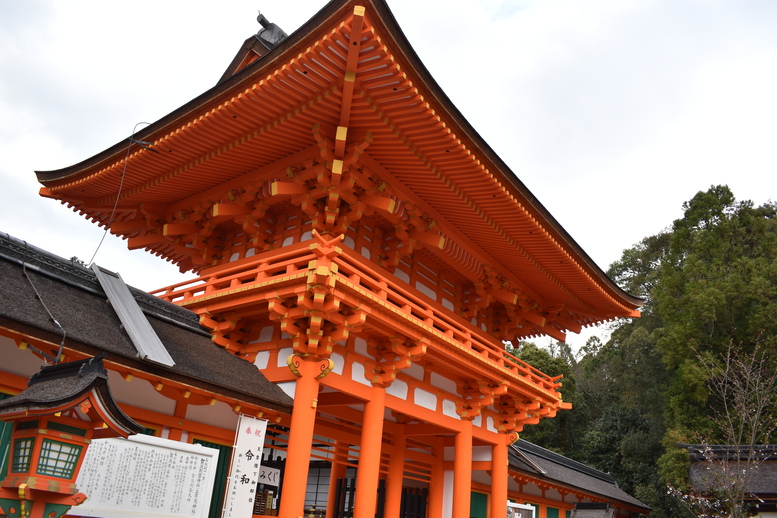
499,475
338,471
303,418
395,477
462,471
369,455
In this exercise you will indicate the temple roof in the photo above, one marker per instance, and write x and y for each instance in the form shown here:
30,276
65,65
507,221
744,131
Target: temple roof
315,86
65,385
714,464
35,284
544,465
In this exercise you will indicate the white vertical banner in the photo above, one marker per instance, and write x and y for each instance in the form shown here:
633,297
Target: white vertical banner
246,467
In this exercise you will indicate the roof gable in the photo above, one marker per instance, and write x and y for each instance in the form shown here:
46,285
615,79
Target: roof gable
327,95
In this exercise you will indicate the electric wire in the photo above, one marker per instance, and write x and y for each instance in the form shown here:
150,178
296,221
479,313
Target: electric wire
121,184
55,359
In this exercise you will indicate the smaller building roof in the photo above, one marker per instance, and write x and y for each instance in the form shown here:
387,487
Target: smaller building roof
36,285
65,385
592,510
716,464
545,465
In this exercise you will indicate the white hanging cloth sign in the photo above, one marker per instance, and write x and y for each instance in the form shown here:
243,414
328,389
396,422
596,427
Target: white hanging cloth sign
246,467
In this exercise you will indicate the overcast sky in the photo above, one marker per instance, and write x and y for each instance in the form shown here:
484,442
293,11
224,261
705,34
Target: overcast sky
611,112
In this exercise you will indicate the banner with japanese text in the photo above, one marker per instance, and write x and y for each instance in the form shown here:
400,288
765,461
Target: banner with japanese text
246,467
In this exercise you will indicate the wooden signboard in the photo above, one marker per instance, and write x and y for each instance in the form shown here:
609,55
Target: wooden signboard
146,476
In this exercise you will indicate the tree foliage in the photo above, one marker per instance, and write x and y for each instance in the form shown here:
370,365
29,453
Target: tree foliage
745,419
554,434
708,280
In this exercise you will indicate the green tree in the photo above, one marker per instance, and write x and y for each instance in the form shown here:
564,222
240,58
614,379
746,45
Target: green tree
708,280
622,443
717,285
745,418
554,434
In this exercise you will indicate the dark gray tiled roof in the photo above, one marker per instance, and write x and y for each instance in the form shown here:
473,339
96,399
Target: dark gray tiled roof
66,384
546,465
76,300
592,513
708,463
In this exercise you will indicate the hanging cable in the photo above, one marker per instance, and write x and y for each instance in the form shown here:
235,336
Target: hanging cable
54,359
144,145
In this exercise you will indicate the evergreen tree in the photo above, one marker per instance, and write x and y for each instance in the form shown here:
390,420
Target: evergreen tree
708,281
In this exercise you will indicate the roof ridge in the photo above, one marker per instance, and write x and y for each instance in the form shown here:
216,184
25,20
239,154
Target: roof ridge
71,272
557,458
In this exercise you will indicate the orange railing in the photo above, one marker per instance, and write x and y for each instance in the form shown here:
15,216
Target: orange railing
288,263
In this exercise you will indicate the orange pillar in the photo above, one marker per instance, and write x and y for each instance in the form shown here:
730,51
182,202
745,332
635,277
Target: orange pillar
303,417
338,471
368,473
499,474
437,483
462,471
396,476
176,434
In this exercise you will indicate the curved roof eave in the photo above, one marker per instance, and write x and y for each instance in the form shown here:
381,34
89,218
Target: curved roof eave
315,25
393,28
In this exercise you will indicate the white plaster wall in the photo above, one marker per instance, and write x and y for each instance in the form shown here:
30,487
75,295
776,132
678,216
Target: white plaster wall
490,424
219,415
443,383
447,498
449,452
449,409
139,393
415,371
289,387
425,399
265,335
398,389
402,275
283,355
480,453
357,374
17,361
339,363
262,359
426,291
360,346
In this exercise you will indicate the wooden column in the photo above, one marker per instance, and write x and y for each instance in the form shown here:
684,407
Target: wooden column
338,471
303,418
499,475
396,476
176,433
368,473
462,471
437,484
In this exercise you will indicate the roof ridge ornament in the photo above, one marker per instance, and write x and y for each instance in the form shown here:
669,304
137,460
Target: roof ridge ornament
270,34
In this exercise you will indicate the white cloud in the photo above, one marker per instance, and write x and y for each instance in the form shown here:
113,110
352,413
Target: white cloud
613,113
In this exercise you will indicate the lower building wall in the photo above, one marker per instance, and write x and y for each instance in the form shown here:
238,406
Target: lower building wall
214,425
